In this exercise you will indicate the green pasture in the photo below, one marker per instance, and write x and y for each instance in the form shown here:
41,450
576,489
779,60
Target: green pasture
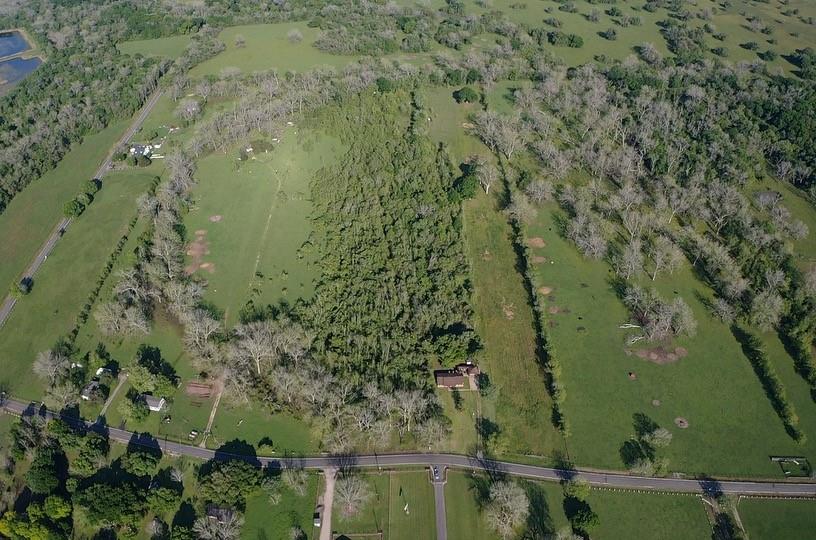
263,520
373,517
800,208
170,47
447,120
268,47
255,249
732,427
254,424
63,283
414,490
769,519
34,212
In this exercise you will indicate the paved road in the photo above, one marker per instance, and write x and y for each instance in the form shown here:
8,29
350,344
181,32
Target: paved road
62,226
441,516
596,478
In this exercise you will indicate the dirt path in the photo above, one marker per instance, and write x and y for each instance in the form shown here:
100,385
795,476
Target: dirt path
220,385
122,379
328,501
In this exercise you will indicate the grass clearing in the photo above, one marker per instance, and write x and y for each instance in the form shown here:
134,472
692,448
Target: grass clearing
34,212
267,521
253,424
373,517
411,489
254,216
601,397
169,47
769,519
63,283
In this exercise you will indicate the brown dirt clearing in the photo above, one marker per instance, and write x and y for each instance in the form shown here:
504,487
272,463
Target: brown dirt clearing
216,218
681,422
536,242
660,355
545,290
539,260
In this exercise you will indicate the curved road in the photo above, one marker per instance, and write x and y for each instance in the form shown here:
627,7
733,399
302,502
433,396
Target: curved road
596,478
62,226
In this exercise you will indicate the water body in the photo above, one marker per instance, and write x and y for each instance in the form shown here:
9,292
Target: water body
15,70
12,43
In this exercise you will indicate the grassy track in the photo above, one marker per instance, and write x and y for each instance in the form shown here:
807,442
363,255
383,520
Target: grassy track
65,280
714,387
414,490
34,212
777,520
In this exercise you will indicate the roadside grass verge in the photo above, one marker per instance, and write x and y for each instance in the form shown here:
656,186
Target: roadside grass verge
411,490
264,520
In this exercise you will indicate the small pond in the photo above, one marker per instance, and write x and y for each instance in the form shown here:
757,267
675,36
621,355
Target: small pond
15,70
12,42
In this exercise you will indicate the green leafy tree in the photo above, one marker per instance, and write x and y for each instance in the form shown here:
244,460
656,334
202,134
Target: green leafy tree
92,452
107,504
56,507
163,500
466,94
229,482
139,463
133,409
43,476
73,208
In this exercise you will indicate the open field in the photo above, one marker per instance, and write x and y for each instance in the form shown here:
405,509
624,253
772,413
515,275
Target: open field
766,519
374,516
414,491
64,282
602,398
267,521
252,219
35,211
170,47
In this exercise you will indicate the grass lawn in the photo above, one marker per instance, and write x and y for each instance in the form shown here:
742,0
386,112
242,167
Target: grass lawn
464,517
34,212
654,516
265,521
253,423
374,516
170,47
412,488
254,248
463,438
767,519
733,428
63,283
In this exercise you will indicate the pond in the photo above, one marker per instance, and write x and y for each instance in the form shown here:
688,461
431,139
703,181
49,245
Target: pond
12,42
14,70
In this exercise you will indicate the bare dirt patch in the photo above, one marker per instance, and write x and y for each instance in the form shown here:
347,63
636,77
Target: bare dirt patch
509,311
536,242
538,260
196,251
544,290
660,355
681,422
656,402
199,389
487,256
555,310
216,218
632,376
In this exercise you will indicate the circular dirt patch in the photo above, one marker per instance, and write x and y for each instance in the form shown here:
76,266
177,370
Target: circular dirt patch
216,218
681,422
656,402
539,260
544,290
536,242
201,232
632,376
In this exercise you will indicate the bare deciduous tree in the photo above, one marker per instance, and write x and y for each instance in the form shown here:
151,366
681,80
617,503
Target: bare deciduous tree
52,366
353,494
507,508
227,526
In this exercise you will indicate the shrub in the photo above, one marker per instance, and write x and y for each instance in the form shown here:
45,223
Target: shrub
73,208
466,94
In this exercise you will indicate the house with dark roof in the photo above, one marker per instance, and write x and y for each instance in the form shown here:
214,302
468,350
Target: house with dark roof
155,404
449,378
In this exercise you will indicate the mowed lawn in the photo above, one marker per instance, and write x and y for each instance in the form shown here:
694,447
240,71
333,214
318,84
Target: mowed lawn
373,517
732,427
32,215
412,511
169,47
265,521
251,220
768,519
253,424
63,283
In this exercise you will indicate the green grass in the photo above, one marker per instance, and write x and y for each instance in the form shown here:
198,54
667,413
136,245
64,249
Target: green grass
463,438
374,516
447,119
267,47
415,490
33,213
266,521
63,283
801,209
733,428
255,248
767,519
252,423
170,47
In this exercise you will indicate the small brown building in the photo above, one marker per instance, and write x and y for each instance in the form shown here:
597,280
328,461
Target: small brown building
449,378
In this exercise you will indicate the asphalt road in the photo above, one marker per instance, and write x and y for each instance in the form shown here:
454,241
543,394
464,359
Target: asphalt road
62,226
441,516
596,478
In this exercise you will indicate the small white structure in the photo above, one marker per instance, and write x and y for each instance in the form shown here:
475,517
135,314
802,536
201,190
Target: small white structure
154,403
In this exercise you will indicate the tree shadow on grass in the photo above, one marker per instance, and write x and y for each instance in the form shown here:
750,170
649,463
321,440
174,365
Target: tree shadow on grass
539,520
